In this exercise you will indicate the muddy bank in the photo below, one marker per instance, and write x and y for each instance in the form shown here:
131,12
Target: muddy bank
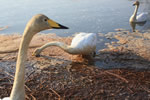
61,76
126,50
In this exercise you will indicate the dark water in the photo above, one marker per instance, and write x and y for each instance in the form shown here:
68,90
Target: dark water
79,15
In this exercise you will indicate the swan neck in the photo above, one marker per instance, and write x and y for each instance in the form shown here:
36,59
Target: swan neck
61,45
18,91
136,10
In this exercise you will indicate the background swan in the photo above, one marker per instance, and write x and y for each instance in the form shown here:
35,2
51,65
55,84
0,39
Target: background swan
36,24
139,19
82,43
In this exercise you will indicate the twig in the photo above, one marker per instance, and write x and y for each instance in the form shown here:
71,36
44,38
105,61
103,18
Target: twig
113,74
16,50
55,93
1,87
6,83
146,89
130,90
33,97
27,97
27,88
9,74
30,75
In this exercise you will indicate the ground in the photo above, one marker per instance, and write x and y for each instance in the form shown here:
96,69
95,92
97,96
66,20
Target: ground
119,72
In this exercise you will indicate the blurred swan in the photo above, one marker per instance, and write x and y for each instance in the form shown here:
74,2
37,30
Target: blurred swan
82,44
36,24
139,19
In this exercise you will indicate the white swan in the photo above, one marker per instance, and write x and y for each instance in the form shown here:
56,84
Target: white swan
82,43
36,24
139,19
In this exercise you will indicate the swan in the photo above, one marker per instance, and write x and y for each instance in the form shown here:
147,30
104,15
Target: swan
82,44
37,23
139,19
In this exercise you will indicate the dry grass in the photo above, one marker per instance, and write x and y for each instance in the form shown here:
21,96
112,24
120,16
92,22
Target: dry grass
83,82
57,75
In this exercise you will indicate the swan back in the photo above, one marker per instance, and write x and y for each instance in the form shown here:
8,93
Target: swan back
84,43
142,17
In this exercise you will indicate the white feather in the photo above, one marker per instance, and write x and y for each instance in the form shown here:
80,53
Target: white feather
6,98
142,17
84,43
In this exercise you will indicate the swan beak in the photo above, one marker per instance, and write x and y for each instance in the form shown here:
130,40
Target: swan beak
55,25
136,3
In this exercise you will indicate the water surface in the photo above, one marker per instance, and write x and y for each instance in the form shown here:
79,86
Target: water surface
79,15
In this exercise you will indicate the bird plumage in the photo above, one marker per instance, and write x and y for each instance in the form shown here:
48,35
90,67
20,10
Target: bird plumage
6,98
137,18
141,17
37,23
82,43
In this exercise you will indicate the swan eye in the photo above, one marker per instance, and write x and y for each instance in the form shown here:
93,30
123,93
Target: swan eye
45,20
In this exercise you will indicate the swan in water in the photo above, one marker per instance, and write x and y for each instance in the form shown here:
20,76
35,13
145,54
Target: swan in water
139,19
82,44
36,24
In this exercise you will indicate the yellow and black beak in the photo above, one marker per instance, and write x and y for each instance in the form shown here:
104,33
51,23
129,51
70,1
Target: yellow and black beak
134,4
55,25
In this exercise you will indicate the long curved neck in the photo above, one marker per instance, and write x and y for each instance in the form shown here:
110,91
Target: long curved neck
135,11
18,91
63,46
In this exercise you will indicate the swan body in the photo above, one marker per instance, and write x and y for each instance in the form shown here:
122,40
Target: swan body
82,43
142,17
38,23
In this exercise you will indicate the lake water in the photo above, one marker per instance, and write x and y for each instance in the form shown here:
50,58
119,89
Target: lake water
79,15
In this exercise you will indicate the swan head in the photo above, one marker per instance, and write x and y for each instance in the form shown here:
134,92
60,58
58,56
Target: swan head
41,22
136,3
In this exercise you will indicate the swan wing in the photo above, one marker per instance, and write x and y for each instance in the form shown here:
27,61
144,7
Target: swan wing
142,17
84,42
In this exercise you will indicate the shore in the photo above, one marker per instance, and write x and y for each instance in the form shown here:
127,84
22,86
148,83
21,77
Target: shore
119,71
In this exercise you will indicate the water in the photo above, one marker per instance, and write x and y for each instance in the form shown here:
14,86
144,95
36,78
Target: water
79,15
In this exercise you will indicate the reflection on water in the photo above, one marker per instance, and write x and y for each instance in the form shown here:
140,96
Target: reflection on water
79,15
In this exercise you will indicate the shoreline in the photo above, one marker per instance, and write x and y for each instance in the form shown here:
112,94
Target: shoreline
121,45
